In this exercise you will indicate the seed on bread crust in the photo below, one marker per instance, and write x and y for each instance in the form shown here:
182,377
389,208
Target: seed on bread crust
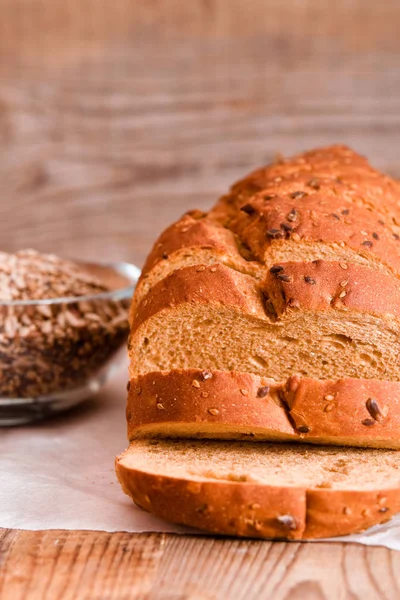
287,521
248,209
275,234
368,422
263,391
206,375
284,277
195,383
303,429
276,269
297,195
375,410
309,280
213,411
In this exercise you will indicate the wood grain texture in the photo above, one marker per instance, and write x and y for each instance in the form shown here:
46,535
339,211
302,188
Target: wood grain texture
115,117
121,566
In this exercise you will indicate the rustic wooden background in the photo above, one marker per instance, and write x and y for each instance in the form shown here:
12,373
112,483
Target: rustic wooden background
117,116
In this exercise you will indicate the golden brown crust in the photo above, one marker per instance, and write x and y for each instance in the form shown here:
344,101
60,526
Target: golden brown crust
257,510
229,405
337,286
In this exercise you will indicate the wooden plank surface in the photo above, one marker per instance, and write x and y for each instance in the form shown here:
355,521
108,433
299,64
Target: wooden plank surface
115,117
101,566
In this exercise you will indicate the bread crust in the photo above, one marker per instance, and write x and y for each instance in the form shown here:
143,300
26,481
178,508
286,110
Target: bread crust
334,286
230,405
256,510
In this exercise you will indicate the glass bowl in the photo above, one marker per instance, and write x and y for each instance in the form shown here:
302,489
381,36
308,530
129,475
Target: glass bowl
55,353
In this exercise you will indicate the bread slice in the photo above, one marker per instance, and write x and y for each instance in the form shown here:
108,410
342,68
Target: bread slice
280,491
240,406
321,320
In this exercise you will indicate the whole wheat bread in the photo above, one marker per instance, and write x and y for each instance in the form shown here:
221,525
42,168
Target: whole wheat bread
280,490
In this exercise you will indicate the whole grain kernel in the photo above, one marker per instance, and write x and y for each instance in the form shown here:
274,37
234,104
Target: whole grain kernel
248,209
275,233
303,429
285,278
195,383
206,375
276,269
329,407
160,406
309,280
343,266
263,391
287,521
347,510
374,409
297,195
244,392
213,411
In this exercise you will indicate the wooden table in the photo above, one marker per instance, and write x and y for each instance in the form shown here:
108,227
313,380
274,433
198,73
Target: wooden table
115,117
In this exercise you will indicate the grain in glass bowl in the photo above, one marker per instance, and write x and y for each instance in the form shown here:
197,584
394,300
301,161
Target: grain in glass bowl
62,326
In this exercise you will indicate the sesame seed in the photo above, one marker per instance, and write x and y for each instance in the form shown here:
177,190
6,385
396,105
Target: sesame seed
296,237
244,392
329,407
213,411
213,269
254,506
347,510
195,383
200,269
248,209
363,232
382,500
184,229
284,277
343,283
343,266
329,397
160,406
263,391
342,294
309,280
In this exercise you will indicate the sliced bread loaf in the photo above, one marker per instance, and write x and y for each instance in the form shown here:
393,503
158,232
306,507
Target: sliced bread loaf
319,320
262,490
240,406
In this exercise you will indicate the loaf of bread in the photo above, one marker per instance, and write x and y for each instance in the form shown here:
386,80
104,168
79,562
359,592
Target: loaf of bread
274,317
275,491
